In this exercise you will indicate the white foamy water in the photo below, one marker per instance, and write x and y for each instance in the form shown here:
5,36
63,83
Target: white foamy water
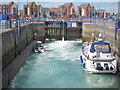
59,67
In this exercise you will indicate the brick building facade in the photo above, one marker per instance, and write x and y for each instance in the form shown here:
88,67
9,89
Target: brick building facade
32,10
10,8
84,10
68,10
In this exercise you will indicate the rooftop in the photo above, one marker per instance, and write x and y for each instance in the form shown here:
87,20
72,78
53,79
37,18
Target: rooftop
31,3
55,9
67,5
85,5
100,10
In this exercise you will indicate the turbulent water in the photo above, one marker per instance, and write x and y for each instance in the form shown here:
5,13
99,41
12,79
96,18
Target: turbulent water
59,67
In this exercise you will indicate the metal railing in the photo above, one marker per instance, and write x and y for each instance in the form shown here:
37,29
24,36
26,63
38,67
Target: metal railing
4,24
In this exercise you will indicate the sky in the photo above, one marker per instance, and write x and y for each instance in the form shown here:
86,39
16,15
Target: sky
108,5
65,0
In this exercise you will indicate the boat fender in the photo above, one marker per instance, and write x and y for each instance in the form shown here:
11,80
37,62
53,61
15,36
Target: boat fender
111,68
83,46
81,59
44,48
101,68
36,49
83,65
107,68
98,68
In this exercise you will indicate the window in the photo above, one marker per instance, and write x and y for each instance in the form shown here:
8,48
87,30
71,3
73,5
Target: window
14,10
101,48
73,11
83,12
80,12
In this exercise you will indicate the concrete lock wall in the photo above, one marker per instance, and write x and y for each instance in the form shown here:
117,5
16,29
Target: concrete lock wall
72,33
14,51
53,33
118,45
15,41
61,29
109,33
39,28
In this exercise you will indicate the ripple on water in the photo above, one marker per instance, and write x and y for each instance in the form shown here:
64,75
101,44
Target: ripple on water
59,67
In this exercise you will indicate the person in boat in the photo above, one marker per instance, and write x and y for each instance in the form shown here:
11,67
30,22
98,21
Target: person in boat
39,44
92,37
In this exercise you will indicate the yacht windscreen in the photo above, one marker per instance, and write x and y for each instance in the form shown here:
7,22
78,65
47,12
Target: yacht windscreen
104,48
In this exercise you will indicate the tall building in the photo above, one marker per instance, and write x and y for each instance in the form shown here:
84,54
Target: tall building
20,13
55,12
46,12
4,8
39,10
84,10
25,11
68,10
100,13
93,11
10,8
107,15
62,10
32,10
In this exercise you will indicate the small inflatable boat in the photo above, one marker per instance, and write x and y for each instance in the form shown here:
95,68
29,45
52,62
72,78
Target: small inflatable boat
39,48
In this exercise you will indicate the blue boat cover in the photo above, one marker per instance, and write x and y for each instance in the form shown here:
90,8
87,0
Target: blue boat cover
92,50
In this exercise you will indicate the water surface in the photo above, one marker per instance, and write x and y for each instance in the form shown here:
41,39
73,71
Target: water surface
59,67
